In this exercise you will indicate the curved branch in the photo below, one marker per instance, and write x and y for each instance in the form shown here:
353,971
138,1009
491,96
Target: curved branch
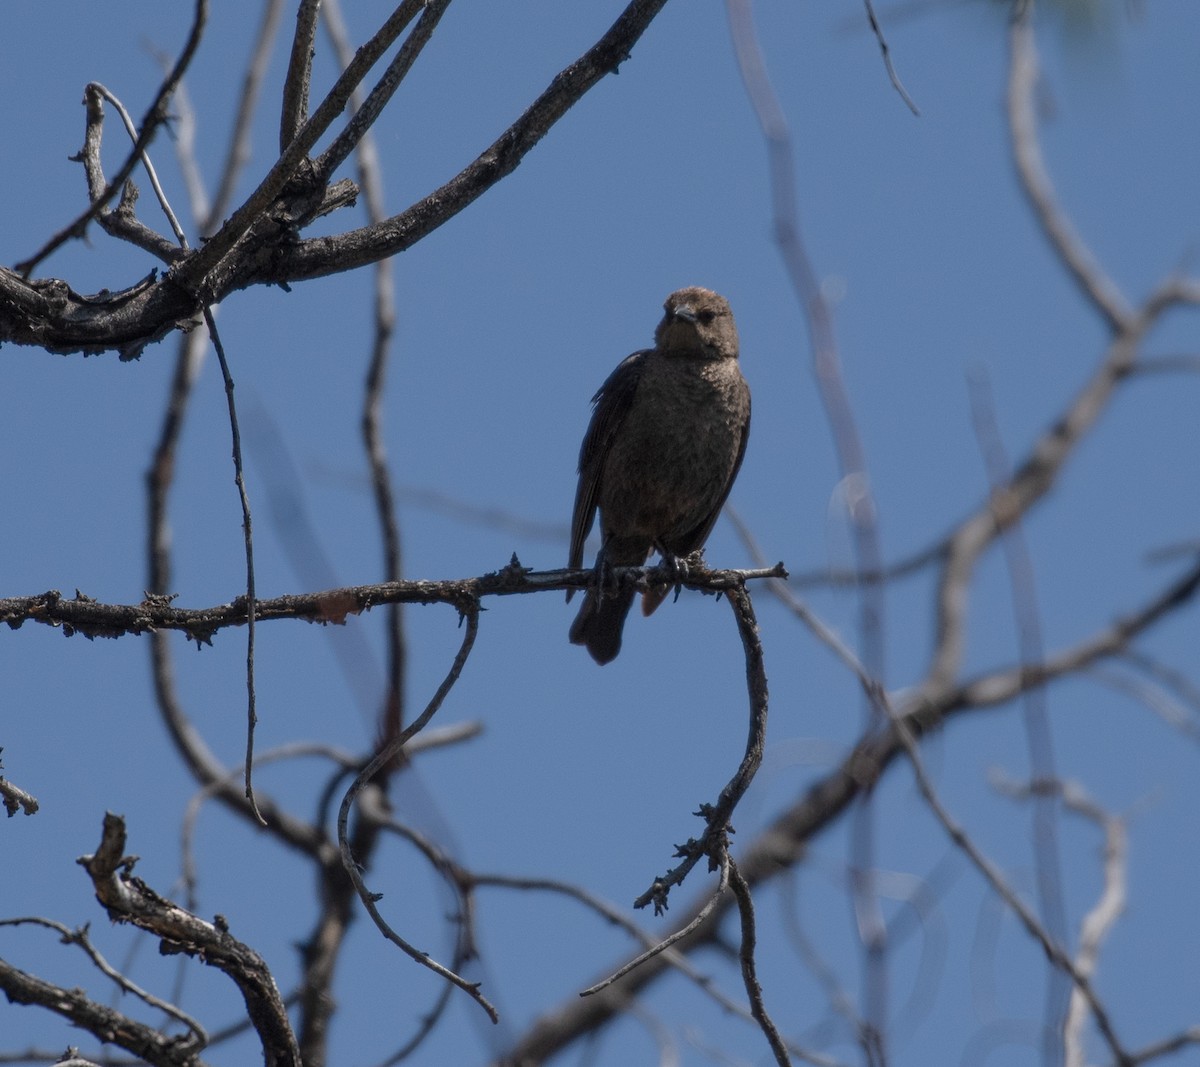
129,900
1097,286
1029,483
384,758
714,842
745,903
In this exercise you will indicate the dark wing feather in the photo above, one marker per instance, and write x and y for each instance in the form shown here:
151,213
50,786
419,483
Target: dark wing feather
612,403
695,538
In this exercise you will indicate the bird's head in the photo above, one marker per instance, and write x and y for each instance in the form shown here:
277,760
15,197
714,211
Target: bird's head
697,322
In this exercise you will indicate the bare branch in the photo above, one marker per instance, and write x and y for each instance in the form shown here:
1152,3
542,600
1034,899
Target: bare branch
156,613
239,141
384,758
1100,920
122,223
53,317
1038,738
887,58
1167,1047
372,107
713,843
154,118
1097,286
741,893
194,274
16,799
201,762
251,599
1055,952
151,173
371,180
148,1043
80,938
678,935
320,256
786,840
294,113
129,900
860,502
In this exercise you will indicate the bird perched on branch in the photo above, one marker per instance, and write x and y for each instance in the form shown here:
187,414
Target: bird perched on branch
660,455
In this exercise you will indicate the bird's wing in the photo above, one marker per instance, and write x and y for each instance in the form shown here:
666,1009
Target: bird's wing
612,403
696,538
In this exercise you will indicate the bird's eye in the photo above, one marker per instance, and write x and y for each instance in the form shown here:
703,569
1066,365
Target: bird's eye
706,317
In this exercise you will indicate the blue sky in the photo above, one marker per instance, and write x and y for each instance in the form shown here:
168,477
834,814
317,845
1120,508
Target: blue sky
510,316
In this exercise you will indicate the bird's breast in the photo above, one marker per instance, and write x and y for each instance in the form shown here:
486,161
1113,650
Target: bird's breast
676,449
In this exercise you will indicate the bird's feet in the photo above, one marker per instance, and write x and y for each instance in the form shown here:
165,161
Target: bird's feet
679,568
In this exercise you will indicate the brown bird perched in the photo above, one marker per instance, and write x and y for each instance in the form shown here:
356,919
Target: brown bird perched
665,442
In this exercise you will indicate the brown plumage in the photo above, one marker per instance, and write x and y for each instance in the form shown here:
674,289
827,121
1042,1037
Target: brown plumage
660,455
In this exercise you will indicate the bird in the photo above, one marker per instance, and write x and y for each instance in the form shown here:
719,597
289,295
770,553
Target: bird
666,439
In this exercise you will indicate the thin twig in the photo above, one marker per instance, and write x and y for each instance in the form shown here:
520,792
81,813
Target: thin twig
121,222
80,938
193,274
383,759
248,543
713,843
781,588
676,936
238,154
130,129
1054,950
745,903
370,179
366,112
1093,282
1167,1047
294,112
897,84
1102,917
855,482
191,813
154,118
1038,738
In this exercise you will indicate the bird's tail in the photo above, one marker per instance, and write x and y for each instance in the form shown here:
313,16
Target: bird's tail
651,598
599,623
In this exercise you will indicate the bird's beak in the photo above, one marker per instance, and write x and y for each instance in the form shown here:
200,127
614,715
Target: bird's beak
686,313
